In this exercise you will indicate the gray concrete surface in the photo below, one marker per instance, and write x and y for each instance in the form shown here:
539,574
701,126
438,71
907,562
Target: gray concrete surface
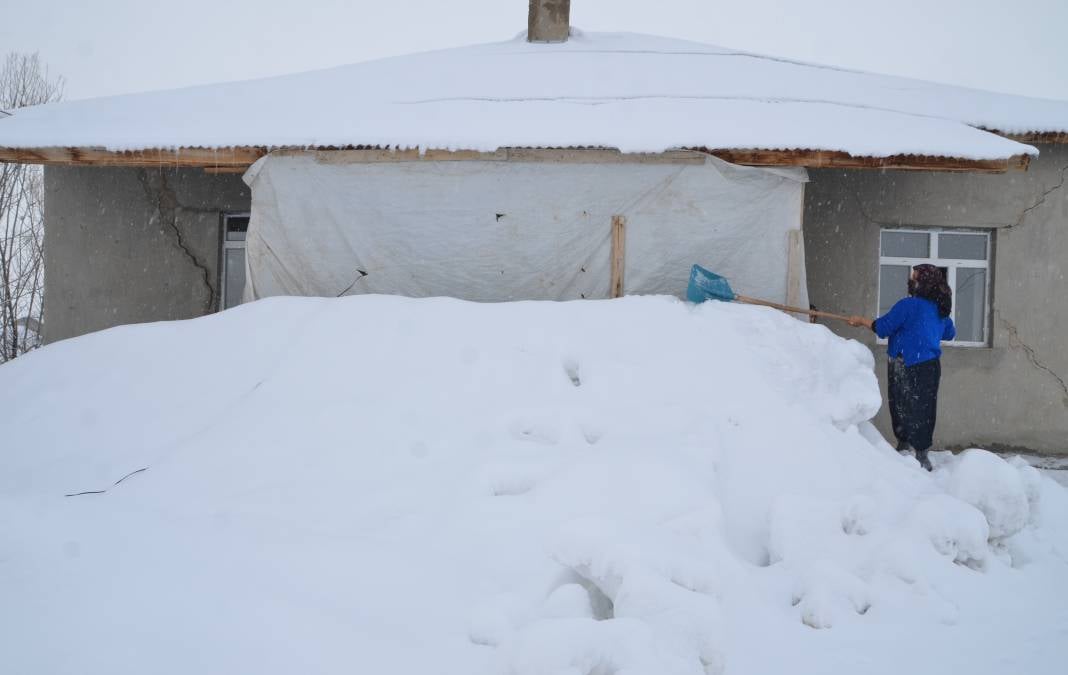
1013,394
126,245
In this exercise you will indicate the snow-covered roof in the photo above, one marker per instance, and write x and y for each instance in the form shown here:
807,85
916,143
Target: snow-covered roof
637,93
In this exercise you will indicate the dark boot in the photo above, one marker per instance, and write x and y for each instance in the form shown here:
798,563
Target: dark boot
903,447
921,457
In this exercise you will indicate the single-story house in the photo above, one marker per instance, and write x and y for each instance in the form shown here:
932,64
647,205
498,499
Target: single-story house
563,165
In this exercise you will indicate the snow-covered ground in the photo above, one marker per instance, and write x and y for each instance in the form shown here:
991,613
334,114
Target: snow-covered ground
384,485
1054,467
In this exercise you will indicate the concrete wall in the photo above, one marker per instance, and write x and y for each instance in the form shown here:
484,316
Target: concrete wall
1013,394
132,245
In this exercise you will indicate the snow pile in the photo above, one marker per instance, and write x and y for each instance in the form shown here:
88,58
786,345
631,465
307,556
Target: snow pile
636,93
996,488
377,484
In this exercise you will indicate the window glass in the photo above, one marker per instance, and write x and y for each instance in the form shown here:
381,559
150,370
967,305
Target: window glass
236,228
906,244
235,276
969,297
893,285
901,250
962,246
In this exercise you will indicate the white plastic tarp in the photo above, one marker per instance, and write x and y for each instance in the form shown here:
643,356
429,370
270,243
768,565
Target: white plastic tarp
324,225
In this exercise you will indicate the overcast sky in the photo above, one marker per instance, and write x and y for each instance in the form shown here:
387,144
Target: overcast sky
107,47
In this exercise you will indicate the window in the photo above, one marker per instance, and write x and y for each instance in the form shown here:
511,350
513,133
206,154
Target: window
232,259
964,255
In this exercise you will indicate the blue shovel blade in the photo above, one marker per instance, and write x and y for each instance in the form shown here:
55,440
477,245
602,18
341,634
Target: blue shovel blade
705,285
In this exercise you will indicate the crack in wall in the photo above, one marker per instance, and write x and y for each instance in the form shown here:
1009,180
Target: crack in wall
167,205
866,215
1038,202
1014,336
1042,198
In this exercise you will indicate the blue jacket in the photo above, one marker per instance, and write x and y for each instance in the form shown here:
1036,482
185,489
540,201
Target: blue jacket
915,330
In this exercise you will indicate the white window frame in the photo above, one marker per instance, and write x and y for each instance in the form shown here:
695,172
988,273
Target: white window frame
226,245
951,265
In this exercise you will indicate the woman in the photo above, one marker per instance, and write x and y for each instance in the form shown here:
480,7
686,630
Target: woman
915,326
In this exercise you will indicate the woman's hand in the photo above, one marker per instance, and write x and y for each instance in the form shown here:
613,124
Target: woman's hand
858,321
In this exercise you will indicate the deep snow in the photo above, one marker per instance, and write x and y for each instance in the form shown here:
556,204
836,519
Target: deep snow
637,93
387,485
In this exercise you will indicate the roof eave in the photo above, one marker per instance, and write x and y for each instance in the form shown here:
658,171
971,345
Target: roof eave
1033,137
239,158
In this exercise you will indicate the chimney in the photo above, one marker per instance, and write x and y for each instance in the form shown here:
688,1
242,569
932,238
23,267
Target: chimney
549,21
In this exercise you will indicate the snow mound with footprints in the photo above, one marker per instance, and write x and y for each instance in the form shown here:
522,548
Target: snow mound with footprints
378,484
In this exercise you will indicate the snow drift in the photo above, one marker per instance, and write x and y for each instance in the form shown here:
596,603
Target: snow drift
377,484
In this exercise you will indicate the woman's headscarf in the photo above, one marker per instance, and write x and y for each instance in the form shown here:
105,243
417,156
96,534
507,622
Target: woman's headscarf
930,283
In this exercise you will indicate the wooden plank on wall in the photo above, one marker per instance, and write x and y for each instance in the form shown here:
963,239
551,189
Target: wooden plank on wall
795,268
619,254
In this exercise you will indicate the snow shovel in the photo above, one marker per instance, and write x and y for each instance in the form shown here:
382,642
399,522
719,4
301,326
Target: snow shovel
705,285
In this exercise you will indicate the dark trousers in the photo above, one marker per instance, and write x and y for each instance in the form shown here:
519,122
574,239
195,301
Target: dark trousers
913,399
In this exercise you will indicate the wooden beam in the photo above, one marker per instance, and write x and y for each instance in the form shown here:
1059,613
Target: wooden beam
602,156
225,169
373,155
1035,137
241,157
827,159
183,157
619,253
539,155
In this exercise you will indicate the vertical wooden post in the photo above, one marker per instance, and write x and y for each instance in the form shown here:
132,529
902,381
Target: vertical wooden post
796,274
619,245
795,267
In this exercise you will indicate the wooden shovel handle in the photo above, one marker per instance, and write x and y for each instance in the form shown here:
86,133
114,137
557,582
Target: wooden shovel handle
787,308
